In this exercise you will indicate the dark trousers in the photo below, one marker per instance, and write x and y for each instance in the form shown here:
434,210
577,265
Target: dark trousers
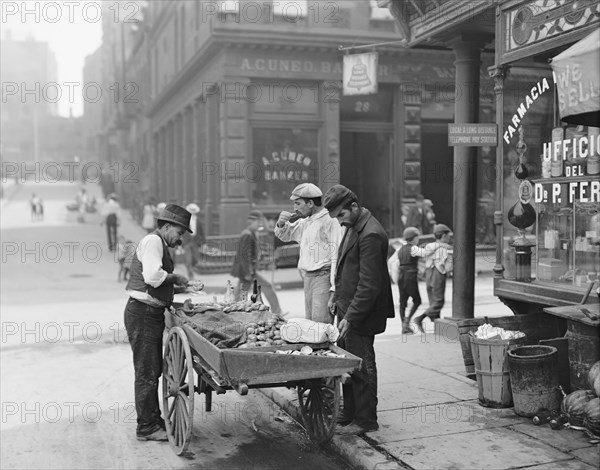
111,231
436,291
408,286
145,325
360,393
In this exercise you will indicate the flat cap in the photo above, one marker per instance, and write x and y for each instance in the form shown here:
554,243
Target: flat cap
441,228
410,233
256,214
306,190
336,197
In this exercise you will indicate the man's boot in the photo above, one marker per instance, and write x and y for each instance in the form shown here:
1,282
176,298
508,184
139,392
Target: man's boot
406,327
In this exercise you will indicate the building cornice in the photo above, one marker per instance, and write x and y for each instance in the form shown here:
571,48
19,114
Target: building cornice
428,20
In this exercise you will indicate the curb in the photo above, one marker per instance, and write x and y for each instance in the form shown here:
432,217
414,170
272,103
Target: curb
356,451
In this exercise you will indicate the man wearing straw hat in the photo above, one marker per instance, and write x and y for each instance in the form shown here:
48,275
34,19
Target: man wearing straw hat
151,289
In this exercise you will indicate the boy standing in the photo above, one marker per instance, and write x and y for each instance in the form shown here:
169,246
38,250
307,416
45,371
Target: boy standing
438,264
408,282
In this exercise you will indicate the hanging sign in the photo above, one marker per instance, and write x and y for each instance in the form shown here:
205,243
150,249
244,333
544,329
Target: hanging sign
472,135
360,74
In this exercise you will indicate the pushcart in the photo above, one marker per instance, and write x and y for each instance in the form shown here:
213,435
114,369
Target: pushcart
192,364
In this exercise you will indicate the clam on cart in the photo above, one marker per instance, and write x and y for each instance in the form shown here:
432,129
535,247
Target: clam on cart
317,378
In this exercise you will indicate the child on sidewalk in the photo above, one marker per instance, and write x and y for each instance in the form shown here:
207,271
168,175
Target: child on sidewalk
438,264
125,250
408,283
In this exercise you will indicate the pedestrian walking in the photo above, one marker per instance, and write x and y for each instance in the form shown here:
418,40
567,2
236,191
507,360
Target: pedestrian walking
149,216
111,216
245,263
82,199
429,216
438,264
192,241
417,216
125,249
151,289
408,272
362,302
319,237
36,207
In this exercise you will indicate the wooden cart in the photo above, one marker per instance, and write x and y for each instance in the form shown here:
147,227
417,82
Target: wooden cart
317,379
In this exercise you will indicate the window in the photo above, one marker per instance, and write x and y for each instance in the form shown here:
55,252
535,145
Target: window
282,159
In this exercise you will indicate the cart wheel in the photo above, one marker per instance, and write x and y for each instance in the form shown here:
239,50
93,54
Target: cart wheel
178,390
320,405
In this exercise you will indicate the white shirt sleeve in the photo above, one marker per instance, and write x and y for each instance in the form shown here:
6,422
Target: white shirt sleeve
290,232
421,252
335,234
150,253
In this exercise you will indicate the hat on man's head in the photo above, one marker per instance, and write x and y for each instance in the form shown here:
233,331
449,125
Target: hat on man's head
336,198
428,202
192,208
113,196
306,190
177,215
410,233
441,228
256,215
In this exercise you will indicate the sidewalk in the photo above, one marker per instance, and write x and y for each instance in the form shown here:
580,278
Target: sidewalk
428,409
430,418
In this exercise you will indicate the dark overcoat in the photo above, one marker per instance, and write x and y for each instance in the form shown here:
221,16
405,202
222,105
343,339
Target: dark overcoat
363,291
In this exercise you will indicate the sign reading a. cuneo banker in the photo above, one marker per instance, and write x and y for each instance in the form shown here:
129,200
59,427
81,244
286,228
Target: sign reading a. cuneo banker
472,135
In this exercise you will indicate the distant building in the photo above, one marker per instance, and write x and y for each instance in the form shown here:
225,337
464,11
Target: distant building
28,73
93,102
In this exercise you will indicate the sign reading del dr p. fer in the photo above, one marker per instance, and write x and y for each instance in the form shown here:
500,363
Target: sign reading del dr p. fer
472,135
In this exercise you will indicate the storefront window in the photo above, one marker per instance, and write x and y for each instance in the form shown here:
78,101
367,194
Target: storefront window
283,158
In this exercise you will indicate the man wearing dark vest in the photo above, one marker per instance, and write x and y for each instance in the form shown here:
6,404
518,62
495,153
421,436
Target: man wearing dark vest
151,289
408,282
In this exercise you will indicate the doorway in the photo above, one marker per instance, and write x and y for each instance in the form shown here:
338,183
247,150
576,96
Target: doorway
437,170
366,168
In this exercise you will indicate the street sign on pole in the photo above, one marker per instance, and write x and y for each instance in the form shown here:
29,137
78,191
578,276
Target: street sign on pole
472,135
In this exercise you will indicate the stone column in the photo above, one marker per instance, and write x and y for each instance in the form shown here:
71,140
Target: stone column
329,161
466,110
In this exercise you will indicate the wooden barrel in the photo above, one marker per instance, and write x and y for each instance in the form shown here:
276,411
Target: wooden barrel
536,326
584,351
491,367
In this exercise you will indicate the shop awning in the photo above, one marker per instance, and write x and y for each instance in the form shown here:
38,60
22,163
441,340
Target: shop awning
578,81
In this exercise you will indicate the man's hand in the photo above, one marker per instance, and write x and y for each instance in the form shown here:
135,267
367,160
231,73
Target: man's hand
284,216
331,303
343,327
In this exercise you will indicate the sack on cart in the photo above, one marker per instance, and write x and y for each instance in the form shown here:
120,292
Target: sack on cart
302,330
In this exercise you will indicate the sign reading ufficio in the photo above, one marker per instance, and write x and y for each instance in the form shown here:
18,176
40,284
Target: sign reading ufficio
472,135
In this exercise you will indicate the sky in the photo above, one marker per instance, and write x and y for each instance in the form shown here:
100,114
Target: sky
73,30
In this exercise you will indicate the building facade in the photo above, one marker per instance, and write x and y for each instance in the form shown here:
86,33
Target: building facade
239,104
